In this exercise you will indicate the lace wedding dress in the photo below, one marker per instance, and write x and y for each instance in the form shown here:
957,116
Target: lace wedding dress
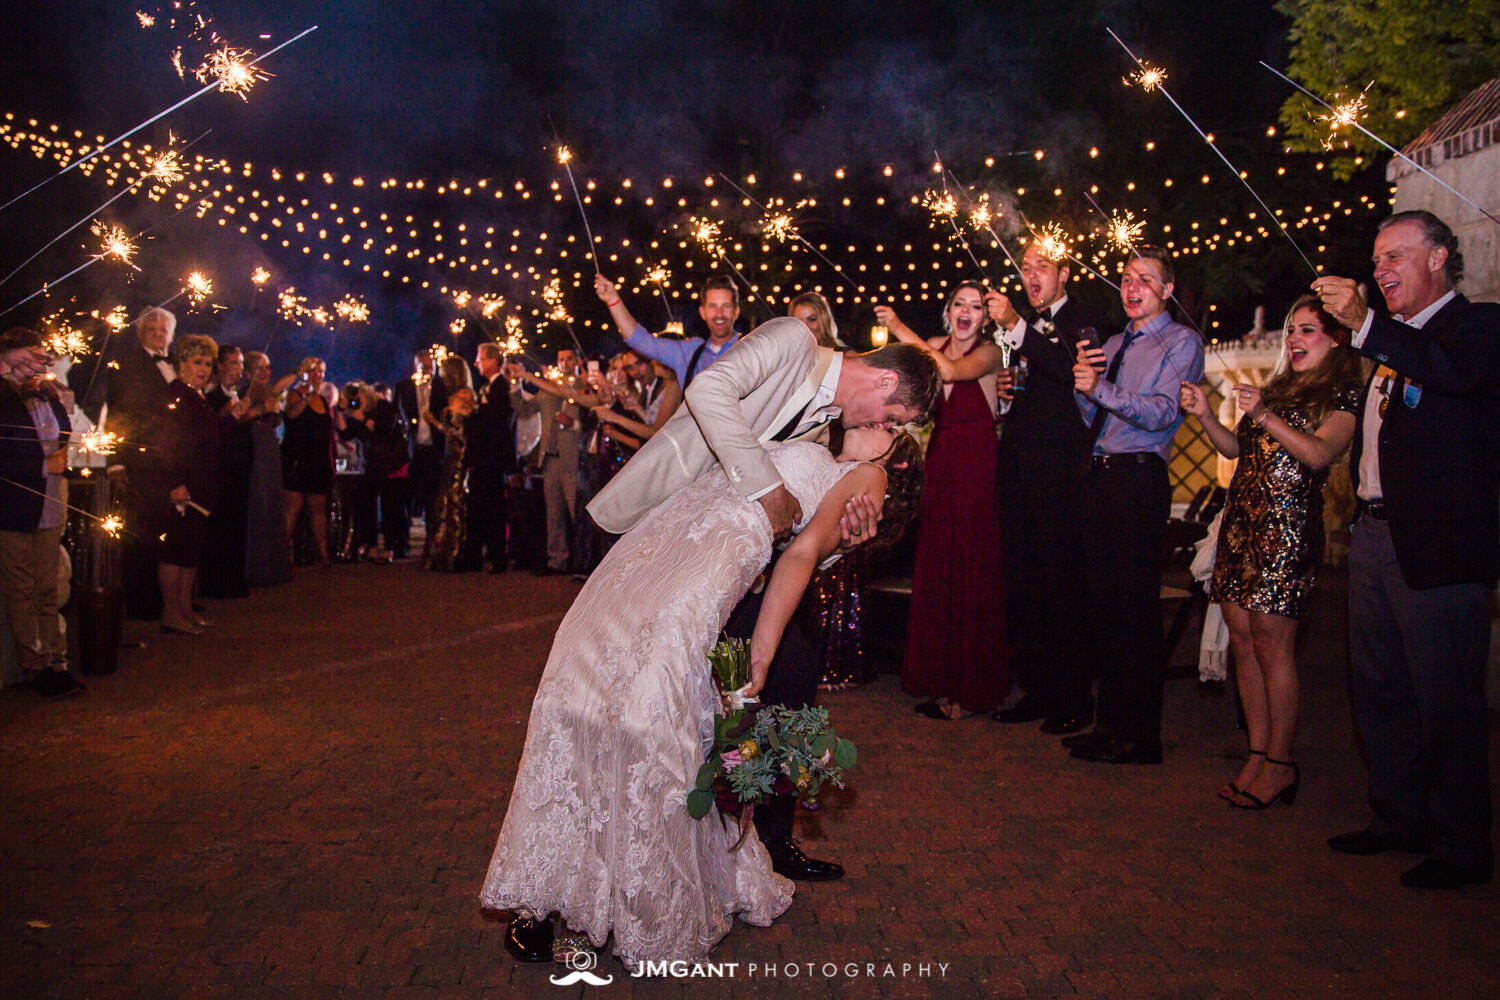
597,828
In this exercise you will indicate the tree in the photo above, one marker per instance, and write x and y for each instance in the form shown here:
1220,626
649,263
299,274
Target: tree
1417,58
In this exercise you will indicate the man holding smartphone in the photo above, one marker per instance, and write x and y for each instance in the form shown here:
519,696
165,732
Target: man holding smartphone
1131,411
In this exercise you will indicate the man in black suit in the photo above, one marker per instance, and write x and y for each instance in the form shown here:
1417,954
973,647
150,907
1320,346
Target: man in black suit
1424,550
1044,454
421,393
490,456
136,389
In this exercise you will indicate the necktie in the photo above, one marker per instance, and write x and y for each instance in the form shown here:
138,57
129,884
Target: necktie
1101,415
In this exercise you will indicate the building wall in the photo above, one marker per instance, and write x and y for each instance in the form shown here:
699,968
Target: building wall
1477,175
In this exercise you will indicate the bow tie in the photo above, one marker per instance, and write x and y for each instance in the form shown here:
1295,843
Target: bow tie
159,357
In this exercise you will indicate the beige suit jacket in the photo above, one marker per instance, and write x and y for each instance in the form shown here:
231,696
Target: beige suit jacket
731,411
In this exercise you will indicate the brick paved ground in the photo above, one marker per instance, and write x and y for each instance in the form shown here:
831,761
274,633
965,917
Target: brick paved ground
303,803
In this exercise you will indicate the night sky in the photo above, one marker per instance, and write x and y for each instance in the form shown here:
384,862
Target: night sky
471,90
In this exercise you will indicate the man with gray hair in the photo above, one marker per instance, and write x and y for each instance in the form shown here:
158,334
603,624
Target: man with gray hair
1424,551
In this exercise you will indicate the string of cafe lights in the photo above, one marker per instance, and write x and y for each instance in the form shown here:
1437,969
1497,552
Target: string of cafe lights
446,257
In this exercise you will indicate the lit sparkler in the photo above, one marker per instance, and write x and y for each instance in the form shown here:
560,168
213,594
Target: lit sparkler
457,326
98,441
440,353
230,68
116,319
1345,115
112,525
320,316
63,339
565,158
1148,77
1051,242
982,216
1158,85
199,287
778,226
114,242
260,276
489,305
1123,230
461,299
1351,117
659,276
352,309
166,168
708,233
145,19
942,204
291,306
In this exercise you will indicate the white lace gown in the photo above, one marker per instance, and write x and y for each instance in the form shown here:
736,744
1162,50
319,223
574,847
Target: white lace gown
597,828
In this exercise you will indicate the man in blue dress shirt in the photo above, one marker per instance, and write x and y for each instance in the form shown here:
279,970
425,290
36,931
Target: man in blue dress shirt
718,305
1128,397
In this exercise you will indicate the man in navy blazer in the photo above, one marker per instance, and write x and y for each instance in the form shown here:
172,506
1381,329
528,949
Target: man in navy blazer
1424,551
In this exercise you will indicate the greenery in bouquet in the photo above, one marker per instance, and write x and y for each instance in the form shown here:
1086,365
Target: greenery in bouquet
762,751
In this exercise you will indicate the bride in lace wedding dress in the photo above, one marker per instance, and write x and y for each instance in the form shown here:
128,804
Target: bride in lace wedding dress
597,830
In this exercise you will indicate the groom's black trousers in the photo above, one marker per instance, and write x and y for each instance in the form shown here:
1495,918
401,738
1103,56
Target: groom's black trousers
793,682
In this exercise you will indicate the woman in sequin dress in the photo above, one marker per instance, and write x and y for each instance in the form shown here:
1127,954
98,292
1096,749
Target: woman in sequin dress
1271,538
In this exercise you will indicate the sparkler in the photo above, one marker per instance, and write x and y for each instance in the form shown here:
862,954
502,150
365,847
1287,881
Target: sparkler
154,118
941,204
227,66
112,525
792,230
114,243
63,339
565,158
98,441
989,226
260,276
146,20
778,226
1052,242
1148,77
1158,85
659,276
116,319
1124,230
320,316
489,305
515,341
199,288
1347,114
461,299
457,327
557,311
981,215
290,305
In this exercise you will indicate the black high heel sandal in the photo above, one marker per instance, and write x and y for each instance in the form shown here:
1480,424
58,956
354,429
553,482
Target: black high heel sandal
1231,787
1286,796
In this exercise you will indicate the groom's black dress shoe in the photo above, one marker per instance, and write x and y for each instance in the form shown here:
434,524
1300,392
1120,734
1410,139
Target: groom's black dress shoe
1436,874
1368,842
788,861
1121,752
529,940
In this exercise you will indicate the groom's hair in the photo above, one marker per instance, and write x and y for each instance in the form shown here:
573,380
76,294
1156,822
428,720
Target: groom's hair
918,374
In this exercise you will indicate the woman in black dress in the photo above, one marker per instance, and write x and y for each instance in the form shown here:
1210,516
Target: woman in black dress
307,454
179,478
1270,541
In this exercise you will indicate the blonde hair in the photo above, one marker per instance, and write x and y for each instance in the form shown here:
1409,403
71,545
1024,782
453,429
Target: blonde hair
194,345
819,305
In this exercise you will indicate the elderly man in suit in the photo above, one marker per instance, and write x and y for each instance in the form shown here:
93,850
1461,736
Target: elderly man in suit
1424,550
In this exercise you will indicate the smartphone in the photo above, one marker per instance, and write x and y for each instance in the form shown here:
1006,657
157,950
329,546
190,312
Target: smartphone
1088,338
593,367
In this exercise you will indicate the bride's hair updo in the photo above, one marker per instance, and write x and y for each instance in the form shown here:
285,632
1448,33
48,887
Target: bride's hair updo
903,489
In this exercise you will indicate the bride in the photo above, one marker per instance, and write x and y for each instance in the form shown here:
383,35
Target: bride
597,830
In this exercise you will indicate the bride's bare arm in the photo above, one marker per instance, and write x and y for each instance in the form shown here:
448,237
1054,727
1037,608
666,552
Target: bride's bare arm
795,567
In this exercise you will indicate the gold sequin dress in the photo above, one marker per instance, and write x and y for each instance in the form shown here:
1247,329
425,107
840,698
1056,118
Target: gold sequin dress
1272,534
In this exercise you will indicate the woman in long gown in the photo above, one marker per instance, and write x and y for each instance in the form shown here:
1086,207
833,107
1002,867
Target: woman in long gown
451,517
597,829
955,634
268,561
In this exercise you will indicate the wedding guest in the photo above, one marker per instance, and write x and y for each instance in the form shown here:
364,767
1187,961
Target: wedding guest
812,309
33,495
719,308
307,454
955,635
1044,455
268,560
445,545
421,397
556,457
179,479
1270,540
382,436
1131,410
645,402
137,376
1424,551
489,456
222,573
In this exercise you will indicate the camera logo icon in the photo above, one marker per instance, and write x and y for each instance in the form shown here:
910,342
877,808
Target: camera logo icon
581,964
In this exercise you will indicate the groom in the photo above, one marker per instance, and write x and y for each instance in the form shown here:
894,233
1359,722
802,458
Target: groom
775,385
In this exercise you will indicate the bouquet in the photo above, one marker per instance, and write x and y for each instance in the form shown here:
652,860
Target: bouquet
758,752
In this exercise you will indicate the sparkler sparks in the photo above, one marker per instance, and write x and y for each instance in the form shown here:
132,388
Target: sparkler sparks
146,20
63,339
351,309
552,294
461,299
112,525
166,168
116,319
778,226
982,215
1051,242
707,232
290,305
1343,116
98,441
320,316
942,204
260,276
1148,77
564,155
489,305
659,275
440,353
457,326
113,241
515,340
177,64
232,68
1123,230
199,287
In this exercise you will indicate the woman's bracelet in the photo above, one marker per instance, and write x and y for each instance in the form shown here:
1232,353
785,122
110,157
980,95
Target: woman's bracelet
1262,418
611,305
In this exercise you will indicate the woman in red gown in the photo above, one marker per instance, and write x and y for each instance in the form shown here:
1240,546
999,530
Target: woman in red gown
955,635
